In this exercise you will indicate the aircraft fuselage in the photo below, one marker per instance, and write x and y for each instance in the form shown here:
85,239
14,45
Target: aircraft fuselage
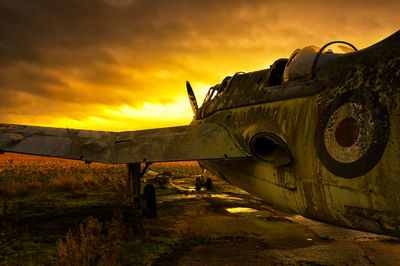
340,129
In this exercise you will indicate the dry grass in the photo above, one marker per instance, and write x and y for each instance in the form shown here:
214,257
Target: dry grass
91,181
24,175
117,229
65,184
179,164
84,247
12,189
93,243
22,168
61,184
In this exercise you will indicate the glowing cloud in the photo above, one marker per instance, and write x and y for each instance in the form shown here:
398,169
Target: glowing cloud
122,64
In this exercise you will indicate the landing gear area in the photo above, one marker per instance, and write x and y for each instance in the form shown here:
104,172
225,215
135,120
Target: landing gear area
149,204
145,201
208,185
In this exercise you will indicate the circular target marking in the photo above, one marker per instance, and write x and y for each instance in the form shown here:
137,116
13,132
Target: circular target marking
347,132
347,135
352,133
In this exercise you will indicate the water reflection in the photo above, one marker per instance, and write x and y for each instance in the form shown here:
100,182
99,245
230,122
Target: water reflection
191,196
241,210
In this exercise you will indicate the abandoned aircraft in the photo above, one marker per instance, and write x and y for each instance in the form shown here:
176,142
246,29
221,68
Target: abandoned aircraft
317,134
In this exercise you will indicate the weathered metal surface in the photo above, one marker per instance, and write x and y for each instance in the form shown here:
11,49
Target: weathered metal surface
86,145
344,132
252,94
196,142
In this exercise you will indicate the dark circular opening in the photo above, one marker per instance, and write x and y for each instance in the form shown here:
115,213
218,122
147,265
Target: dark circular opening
263,146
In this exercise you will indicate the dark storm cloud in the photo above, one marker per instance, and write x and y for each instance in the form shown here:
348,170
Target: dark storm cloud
80,40
73,53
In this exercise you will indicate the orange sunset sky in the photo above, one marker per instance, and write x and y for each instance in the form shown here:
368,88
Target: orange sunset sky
122,64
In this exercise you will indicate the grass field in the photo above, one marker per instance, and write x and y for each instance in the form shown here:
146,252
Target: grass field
65,212
21,175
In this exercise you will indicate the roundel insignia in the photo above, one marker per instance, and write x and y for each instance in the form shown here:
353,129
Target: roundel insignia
352,133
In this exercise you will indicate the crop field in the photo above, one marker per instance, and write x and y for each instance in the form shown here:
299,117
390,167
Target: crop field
65,212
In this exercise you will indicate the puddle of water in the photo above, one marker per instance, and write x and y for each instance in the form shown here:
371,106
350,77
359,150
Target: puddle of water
176,197
183,188
241,210
191,196
224,196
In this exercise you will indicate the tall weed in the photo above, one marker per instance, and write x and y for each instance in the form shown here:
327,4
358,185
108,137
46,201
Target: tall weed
85,247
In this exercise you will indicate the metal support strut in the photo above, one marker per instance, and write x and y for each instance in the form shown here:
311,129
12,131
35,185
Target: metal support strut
147,203
134,176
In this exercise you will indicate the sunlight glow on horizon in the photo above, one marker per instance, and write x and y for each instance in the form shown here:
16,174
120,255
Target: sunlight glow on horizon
119,65
125,118
145,116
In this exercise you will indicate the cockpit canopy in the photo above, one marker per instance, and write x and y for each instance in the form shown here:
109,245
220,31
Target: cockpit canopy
305,63
302,64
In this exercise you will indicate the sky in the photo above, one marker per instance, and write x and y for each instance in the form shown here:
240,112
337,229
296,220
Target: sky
120,65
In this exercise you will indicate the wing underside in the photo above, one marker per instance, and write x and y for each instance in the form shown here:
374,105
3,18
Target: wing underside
185,143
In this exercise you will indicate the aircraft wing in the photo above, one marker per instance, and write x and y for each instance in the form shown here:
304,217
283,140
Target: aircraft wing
185,143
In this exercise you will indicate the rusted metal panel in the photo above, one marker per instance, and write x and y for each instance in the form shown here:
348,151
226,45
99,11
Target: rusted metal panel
195,142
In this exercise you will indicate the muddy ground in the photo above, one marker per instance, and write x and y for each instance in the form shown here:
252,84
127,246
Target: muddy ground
266,236
192,228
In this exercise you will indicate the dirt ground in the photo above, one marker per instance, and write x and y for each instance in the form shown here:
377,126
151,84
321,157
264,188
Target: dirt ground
222,226
266,236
